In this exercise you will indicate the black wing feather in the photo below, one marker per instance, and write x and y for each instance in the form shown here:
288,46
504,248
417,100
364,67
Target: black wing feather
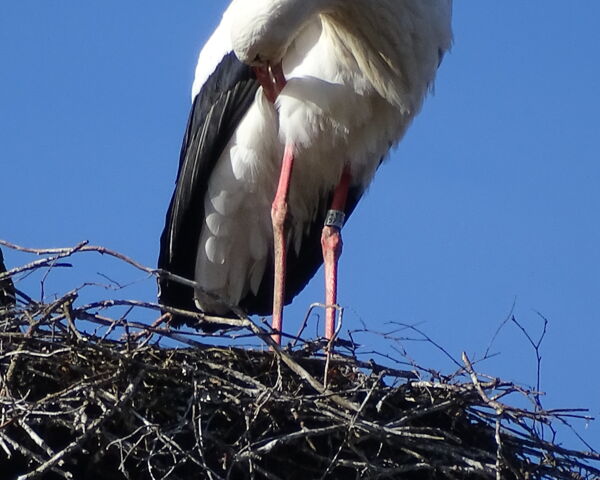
216,112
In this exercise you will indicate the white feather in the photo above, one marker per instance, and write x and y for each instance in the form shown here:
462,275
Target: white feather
216,47
357,72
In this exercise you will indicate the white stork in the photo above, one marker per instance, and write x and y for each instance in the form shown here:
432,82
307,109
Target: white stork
295,104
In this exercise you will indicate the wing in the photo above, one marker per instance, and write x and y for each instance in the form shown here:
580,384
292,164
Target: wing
216,112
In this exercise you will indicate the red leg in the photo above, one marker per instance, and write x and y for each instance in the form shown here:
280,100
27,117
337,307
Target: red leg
278,216
273,81
331,243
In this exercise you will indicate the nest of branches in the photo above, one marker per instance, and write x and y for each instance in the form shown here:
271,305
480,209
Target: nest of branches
86,393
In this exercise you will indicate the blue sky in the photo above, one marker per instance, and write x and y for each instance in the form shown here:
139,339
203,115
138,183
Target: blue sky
491,200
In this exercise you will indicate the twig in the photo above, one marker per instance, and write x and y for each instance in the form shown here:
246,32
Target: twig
77,443
166,405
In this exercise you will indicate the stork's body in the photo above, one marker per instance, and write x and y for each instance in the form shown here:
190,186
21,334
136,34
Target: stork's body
356,73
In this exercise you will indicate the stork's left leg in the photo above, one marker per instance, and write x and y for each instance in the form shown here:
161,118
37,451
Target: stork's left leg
331,243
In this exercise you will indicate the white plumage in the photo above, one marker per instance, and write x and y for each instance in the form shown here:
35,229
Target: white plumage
357,72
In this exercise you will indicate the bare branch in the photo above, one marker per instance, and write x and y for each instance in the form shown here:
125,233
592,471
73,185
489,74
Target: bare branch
90,386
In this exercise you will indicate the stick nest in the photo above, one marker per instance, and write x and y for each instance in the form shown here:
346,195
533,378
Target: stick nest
86,395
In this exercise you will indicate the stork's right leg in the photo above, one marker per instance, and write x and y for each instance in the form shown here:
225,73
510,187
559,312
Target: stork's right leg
278,216
272,80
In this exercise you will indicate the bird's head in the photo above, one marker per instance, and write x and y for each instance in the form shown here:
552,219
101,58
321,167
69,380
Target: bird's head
262,30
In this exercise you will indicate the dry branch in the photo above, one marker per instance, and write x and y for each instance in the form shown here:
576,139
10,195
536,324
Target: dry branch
89,393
